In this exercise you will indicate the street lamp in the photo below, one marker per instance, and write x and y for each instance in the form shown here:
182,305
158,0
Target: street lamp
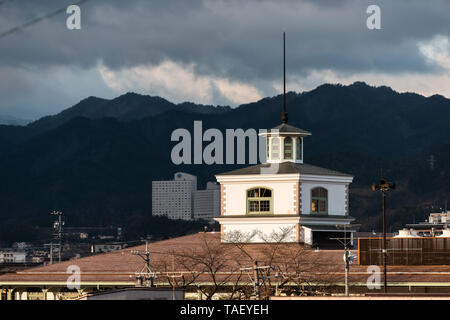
384,186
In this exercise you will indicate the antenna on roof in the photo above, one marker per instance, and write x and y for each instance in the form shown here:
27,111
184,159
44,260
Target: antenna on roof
284,115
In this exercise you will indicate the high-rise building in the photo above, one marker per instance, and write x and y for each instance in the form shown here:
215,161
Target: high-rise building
174,198
180,199
207,202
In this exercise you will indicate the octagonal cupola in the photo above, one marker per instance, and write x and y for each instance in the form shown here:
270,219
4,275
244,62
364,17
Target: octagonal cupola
285,143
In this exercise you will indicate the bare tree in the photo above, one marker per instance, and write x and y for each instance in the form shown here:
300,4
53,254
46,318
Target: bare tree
289,267
214,266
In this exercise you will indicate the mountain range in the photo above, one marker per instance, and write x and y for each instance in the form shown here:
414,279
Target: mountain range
96,160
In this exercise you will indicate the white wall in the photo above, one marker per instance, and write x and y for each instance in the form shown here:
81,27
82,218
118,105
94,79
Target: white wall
266,228
306,235
336,197
235,195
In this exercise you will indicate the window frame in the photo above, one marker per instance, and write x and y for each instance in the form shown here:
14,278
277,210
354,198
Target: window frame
259,199
299,149
319,201
272,142
291,144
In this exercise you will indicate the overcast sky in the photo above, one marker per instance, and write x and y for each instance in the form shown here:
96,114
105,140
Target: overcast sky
215,52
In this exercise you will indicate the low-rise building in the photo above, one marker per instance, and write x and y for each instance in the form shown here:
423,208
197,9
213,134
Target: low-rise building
107,247
10,256
117,270
434,226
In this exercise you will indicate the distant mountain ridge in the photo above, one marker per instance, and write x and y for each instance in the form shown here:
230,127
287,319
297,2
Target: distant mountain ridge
130,106
96,160
12,121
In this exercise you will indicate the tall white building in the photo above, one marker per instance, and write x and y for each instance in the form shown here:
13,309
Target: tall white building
285,199
207,202
286,194
180,199
174,198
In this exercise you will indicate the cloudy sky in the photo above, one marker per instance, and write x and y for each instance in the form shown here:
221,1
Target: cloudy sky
215,52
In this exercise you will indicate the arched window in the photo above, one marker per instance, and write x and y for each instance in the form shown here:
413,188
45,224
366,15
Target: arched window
259,201
275,148
299,149
288,150
319,200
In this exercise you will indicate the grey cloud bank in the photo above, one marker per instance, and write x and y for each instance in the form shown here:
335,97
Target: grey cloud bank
221,46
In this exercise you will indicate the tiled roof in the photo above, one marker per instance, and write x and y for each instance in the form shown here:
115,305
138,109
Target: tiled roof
288,168
120,266
285,128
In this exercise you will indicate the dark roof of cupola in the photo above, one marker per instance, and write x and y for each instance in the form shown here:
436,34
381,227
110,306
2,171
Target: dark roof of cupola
285,128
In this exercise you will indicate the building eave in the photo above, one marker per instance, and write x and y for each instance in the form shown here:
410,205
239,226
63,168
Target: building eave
258,177
258,219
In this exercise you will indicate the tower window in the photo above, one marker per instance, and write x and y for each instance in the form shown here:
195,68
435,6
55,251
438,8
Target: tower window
288,148
275,148
319,200
259,201
299,149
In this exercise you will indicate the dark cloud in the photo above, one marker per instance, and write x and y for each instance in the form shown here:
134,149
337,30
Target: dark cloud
239,40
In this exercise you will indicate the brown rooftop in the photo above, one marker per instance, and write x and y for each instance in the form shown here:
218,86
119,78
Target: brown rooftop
197,254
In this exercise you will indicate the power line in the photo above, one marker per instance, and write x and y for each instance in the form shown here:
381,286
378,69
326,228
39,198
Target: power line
57,225
37,20
146,275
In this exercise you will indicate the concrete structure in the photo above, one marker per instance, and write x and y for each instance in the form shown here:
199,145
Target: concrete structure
406,233
108,247
207,202
442,217
285,195
136,294
435,225
174,199
10,256
180,199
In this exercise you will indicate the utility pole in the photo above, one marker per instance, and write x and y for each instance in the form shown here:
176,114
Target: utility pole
256,278
173,276
348,256
257,284
57,227
51,252
384,186
146,271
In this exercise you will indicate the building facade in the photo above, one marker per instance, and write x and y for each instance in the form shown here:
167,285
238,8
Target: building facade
207,202
304,203
174,198
10,256
180,199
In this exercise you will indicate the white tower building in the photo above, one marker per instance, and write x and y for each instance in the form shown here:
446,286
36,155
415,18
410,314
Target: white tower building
285,195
